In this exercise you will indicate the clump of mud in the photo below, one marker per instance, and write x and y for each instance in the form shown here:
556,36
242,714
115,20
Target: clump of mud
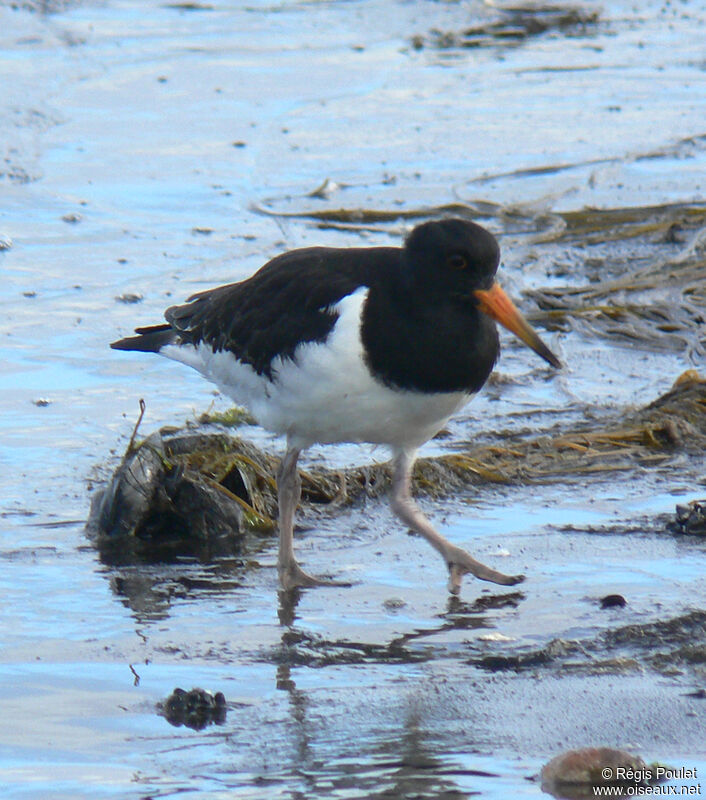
183,493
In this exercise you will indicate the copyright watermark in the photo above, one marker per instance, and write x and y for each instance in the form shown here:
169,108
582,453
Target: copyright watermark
639,782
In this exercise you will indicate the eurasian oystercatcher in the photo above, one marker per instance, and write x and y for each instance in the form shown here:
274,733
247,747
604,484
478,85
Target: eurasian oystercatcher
379,344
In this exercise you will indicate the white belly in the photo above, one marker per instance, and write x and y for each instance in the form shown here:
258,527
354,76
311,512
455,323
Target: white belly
327,394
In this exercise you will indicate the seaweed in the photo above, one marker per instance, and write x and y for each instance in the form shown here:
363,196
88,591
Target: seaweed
516,25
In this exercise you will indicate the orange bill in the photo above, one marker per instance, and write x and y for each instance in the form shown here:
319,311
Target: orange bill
496,304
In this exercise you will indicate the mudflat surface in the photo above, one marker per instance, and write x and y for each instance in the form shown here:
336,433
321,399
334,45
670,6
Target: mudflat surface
149,150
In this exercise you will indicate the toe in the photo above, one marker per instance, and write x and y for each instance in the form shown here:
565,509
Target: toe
293,577
460,563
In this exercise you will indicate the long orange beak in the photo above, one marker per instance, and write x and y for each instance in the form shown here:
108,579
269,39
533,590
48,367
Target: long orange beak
496,304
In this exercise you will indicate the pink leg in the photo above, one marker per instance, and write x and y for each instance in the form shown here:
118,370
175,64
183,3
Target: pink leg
458,561
289,489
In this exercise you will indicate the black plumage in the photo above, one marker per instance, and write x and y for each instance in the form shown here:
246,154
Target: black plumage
284,304
421,328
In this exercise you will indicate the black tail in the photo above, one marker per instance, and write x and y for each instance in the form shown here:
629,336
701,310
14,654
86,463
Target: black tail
150,340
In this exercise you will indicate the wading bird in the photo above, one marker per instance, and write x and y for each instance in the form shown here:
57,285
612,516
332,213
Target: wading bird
379,344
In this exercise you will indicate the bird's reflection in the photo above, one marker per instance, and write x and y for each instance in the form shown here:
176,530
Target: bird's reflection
397,753
405,761
288,600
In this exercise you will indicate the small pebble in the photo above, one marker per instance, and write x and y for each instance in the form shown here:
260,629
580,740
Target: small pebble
129,297
495,636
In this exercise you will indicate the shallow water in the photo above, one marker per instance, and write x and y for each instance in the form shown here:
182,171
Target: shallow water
141,144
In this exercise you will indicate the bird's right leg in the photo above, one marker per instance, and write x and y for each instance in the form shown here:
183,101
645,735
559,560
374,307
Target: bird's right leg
289,489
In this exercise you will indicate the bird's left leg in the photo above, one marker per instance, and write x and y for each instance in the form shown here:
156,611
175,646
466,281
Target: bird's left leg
458,561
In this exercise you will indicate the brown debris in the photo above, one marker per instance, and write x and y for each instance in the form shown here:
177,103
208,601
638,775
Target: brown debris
516,25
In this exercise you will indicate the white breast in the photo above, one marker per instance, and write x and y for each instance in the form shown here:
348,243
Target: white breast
326,393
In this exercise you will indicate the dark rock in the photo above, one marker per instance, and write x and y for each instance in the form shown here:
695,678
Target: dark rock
690,519
153,501
577,772
613,601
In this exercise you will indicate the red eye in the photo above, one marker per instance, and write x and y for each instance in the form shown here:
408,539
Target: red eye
456,261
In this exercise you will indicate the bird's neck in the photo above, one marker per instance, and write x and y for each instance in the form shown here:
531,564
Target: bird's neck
423,343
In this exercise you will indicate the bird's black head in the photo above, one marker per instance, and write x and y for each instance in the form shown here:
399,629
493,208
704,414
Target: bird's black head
453,256
457,260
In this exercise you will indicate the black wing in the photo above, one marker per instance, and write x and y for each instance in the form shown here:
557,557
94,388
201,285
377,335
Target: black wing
285,303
